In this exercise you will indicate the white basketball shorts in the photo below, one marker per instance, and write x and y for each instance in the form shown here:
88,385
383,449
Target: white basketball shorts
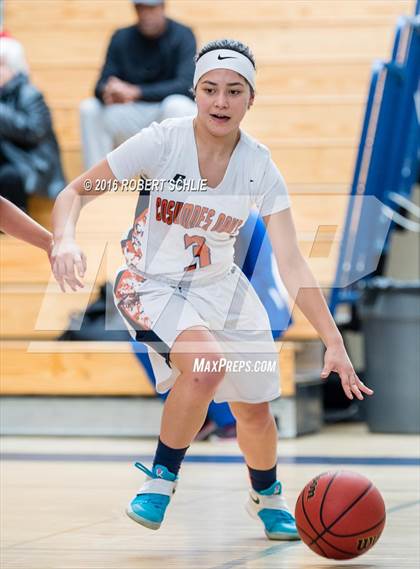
156,312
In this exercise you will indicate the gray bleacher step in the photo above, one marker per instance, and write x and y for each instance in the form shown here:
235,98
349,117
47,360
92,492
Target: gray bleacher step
135,416
80,416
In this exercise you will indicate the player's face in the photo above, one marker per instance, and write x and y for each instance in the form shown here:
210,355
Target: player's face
223,97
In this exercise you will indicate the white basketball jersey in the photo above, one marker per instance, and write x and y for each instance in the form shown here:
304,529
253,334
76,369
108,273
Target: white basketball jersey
184,230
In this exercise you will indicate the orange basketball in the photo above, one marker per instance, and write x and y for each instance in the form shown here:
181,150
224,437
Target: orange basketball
340,515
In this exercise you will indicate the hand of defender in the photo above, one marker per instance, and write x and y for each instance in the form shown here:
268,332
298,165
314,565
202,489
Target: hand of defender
67,257
337,360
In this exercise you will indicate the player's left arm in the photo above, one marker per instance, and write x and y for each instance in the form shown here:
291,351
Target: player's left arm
304,290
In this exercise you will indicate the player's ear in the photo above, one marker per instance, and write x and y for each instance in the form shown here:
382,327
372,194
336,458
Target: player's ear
251,99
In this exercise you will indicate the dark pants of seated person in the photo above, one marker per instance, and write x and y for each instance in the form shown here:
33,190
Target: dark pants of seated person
12,186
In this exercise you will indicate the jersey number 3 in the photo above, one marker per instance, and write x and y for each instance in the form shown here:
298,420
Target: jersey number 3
201,252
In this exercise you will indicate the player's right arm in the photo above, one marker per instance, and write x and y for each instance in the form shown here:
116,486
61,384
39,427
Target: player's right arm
143,152
67,258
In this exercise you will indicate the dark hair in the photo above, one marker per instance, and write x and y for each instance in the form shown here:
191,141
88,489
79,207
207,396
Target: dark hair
234,45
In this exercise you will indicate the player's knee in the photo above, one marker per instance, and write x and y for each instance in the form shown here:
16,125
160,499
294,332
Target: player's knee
206,384
205,374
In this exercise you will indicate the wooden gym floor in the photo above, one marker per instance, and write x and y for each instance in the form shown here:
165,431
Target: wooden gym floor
63,504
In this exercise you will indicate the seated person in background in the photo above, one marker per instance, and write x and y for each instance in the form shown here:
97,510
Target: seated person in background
146,77
29,153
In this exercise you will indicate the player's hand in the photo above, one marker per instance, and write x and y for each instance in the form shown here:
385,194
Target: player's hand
66,259
336,359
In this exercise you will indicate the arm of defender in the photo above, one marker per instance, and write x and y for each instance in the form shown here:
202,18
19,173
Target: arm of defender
16,223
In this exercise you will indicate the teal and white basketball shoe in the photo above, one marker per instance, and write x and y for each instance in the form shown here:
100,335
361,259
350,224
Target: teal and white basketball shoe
149,506
270,507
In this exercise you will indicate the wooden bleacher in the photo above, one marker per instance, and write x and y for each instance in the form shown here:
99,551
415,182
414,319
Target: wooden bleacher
314,59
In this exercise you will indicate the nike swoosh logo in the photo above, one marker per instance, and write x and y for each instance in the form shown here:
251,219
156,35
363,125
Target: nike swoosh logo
220,58
256,500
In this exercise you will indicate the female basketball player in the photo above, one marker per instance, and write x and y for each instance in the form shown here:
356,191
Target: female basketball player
180,292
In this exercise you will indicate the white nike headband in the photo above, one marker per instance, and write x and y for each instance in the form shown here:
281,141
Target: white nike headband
225,59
